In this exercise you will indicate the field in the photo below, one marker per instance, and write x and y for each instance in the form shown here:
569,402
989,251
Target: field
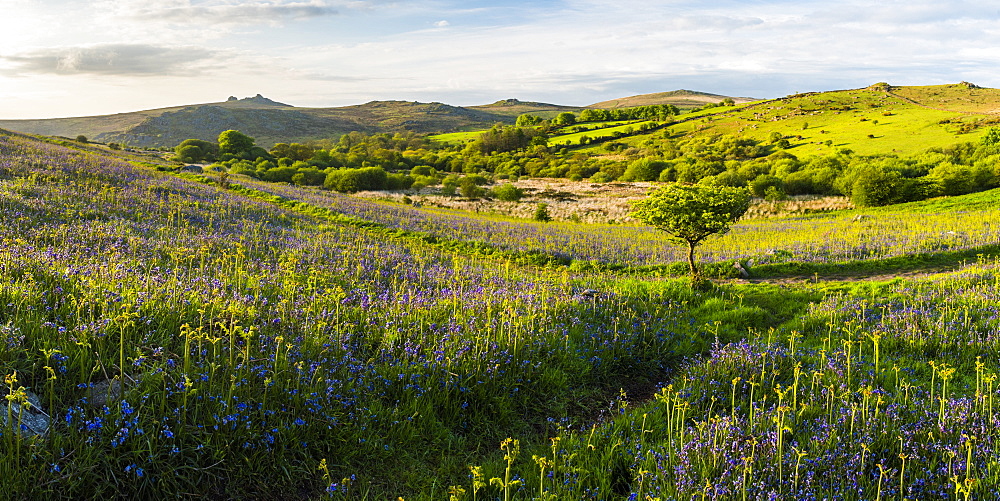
876,120
869,121
204,336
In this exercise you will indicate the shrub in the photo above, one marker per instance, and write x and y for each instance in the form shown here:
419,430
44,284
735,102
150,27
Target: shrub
449,185
875,187
542,213
508,192
470,189
280,174
643,169
398,181
760,185
352,180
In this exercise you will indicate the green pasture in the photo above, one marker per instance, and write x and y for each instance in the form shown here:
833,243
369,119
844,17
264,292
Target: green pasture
456,137
220,337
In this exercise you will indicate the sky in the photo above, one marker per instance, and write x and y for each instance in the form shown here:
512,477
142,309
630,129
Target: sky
62,58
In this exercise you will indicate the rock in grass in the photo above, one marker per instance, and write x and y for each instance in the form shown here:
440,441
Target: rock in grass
28,414
102,392
743,272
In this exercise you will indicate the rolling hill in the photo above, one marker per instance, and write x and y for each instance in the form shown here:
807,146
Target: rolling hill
271,122
266,120
683,99
879,119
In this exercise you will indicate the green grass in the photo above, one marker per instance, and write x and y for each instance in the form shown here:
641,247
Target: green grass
273,346
844,118
457,137
599,130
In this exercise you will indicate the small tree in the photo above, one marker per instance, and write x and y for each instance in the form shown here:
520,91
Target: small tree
991,138
508,192
542,213
82,139
235,143
470,189
689,214
564,118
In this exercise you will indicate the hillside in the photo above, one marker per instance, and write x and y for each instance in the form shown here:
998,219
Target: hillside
514,107
266,120
879,119
201,336
683,99
271,122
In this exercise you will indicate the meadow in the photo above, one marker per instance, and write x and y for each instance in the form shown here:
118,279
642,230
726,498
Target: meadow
875,120
229,338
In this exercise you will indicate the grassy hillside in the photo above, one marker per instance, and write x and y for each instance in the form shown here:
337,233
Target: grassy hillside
226,338
683,99
272,122
879,119
264,120
514,107
874,120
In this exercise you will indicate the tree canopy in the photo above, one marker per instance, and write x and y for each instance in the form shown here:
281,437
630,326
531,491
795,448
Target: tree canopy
196,150
689,214
234,142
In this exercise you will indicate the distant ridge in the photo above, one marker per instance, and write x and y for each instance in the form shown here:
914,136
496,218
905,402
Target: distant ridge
684,99
255,101
515,107
270,121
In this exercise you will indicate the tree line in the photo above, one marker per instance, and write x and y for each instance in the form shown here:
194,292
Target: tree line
769,168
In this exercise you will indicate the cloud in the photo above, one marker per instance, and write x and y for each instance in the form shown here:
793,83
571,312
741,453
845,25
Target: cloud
326,77
442,24
225,13
112,60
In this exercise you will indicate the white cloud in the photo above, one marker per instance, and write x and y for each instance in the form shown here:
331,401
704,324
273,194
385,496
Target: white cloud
111,60
335,52
220,12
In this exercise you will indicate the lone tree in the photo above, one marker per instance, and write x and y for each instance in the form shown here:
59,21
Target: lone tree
689,214
235,143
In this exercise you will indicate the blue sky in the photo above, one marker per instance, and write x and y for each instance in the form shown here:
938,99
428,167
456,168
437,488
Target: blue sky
86,57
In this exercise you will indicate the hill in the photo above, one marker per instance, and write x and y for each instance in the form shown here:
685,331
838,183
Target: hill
514,107
683,99
879,119
271,122
266,120
181,335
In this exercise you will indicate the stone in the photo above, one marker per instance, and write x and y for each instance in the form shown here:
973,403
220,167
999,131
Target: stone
32,419
743,272
101,393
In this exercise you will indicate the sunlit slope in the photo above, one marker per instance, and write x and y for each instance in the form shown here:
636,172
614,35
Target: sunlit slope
961,97
875,120
683,99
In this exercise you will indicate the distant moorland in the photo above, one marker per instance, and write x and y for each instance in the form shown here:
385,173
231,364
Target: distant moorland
273,122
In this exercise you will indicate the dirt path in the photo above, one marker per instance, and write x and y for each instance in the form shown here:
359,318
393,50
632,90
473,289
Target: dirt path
860,276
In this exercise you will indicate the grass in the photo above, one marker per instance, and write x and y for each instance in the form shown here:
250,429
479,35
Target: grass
279,342
599,130
456,137
868,121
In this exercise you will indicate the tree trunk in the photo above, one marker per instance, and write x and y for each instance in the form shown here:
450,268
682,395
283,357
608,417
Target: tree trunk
694,269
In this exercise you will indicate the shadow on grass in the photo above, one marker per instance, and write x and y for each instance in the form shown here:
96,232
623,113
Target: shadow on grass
929,262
